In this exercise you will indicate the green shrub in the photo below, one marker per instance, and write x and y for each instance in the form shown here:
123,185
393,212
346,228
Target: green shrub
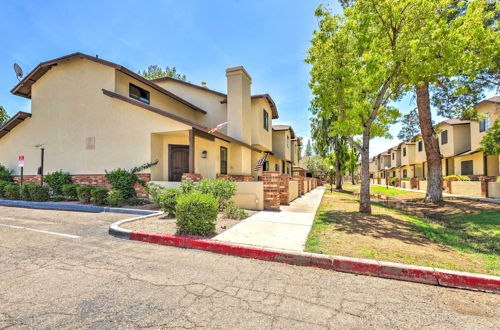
24,192
58,198
98,196
137,201
457,177
234,212
154,190
5,174
221,189
69,191
392,181
168,201
38,193
124,181
498,179
57,180
115,198
405,178
2,186
187,187
196,214
83,193
11,191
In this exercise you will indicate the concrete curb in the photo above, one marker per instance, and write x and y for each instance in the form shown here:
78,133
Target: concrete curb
72,207
403,272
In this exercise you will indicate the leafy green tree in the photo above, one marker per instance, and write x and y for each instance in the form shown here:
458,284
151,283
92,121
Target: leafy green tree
410,125
309,149
490,144
4,116
354,75
352,163
155,72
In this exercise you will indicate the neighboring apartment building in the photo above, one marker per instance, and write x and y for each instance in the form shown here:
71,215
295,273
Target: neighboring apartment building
90,115
459,142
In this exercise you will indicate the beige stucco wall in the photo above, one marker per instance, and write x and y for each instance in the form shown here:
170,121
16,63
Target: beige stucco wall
282,144
239,104
476,136
249,195
68,106
261,137
461,138
494,190
295,153
420,156
293,190
410,154
206,100
405,184
423,185
467,188
397,158
409,171
477,163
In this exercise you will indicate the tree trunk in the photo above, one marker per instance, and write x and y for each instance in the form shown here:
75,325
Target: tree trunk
364,195
338,180
431,143
352,178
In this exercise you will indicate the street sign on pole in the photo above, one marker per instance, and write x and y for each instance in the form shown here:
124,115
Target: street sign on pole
20,161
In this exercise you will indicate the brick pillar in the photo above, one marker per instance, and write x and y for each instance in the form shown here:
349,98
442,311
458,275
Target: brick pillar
284,188
195,177
271,190
484,185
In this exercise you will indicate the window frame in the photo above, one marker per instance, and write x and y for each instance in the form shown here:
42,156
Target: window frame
265,119
139,98
471,162
420,146
484,124
266,166
223,162
404,152
444,137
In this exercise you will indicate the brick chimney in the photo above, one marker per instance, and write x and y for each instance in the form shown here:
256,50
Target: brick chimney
239,104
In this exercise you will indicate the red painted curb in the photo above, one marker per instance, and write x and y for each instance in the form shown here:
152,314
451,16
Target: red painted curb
425,275
467,280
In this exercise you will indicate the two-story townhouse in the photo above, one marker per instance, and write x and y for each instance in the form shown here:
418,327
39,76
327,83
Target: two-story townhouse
420,165
373,167
281,158
89,115
473,161
384,164
395,167
408,166
454,139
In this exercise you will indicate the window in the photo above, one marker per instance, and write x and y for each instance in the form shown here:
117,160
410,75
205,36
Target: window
444,137
223,160
419,146
405,173
266,120
404,152
287,170
287,141
283,166
485,123
138,93
393,155
266,166
276,167
467,167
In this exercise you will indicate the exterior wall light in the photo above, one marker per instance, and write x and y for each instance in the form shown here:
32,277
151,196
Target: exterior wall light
204,154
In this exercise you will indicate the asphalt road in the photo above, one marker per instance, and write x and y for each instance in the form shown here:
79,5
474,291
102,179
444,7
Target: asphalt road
97,281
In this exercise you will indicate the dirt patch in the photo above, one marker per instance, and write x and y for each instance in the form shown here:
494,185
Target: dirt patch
165,225
388,235
451,206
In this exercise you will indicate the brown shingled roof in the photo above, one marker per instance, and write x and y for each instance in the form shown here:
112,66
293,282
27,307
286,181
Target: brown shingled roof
454,121
279,127
13,122
494,99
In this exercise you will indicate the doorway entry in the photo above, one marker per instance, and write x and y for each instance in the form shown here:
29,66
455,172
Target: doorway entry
178,161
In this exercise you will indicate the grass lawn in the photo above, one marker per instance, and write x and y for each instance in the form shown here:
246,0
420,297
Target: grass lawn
383,190
454,240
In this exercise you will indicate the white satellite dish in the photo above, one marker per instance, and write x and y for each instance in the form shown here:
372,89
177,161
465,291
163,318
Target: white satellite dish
19,71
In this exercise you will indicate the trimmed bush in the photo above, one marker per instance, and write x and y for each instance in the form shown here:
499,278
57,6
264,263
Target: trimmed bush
38,193
24,192
58,198
221,189
457,177
168,201
5,174
69,191
405,178
124,181
83,193
234,212
187,187
2,186
137,201
196,214
57,180
498,179
392,181
11,191
115,198
98,196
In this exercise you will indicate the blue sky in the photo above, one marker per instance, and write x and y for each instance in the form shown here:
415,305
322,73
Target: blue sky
201,38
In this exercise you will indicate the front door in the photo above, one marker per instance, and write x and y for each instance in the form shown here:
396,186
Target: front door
178,161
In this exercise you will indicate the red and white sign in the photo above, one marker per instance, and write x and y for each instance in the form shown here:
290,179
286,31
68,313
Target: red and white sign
20,161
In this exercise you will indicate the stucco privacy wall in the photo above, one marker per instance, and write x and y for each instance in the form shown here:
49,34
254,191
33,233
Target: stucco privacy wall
68,107
468,188
250,195
494,190
293,191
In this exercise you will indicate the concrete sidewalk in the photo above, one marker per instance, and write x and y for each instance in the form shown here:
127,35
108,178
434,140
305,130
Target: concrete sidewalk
285,230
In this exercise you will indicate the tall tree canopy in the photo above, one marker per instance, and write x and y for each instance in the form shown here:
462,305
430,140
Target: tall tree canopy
4,116
155,71
309,149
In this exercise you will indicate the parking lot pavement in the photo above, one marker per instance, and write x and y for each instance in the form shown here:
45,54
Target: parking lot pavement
98,281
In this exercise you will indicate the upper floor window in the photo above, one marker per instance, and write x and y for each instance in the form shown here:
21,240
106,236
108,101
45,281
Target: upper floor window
404,152
138,93
223,160
444,137
287,141
266,166
485,123
266,120
393,155
420,146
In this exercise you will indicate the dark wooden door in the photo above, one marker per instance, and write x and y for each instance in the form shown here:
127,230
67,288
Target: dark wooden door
178,161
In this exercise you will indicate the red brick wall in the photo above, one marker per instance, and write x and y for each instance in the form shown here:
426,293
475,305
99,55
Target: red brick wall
284,188
271,190
195,177
300,179
28,179
236,178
